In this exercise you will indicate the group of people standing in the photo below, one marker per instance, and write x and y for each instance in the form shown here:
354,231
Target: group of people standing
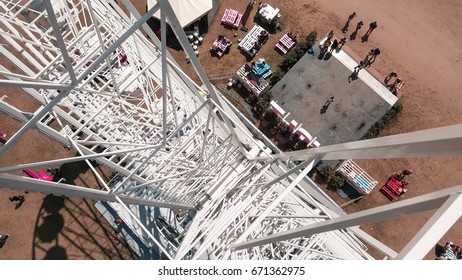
373,25
334,45
395,86
400,178
368,60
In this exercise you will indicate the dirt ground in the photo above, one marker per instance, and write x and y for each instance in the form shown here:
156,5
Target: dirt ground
420,39
49,227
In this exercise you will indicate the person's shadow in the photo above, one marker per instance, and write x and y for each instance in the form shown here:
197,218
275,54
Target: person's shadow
322,53
353,35
324,108
353,76
345,27
19,204
364,38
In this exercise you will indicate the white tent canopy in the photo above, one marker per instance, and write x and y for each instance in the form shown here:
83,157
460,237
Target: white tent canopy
187,11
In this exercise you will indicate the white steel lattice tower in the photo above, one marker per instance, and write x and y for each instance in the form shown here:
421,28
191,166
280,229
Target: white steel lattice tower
192,179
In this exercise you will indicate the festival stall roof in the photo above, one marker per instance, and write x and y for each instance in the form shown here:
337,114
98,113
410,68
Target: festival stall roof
187,11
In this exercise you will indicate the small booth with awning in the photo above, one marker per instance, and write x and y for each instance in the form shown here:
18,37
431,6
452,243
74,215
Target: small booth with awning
188,12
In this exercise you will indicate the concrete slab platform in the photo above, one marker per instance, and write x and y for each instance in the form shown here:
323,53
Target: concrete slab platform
358,104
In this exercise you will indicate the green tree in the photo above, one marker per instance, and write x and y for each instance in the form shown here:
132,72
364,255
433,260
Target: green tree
311,39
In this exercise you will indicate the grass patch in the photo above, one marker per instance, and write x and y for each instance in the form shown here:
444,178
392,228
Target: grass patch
388,119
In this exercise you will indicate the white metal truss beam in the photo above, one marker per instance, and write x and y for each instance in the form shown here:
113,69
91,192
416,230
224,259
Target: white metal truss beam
414,205
433,230
125,103
387,251
83,76
157,42
30,84
275,202
73,159
442,141
62,139
35,185
179,32
60,41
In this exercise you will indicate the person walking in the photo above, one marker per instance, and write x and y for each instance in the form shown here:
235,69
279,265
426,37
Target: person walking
371,53
362,64
3,238
359,25
392,74
325,46
372,56
359,66
342,42
329,101
333,46
330,35
118,222
372,26
19,198
53,171
403,174
260,5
